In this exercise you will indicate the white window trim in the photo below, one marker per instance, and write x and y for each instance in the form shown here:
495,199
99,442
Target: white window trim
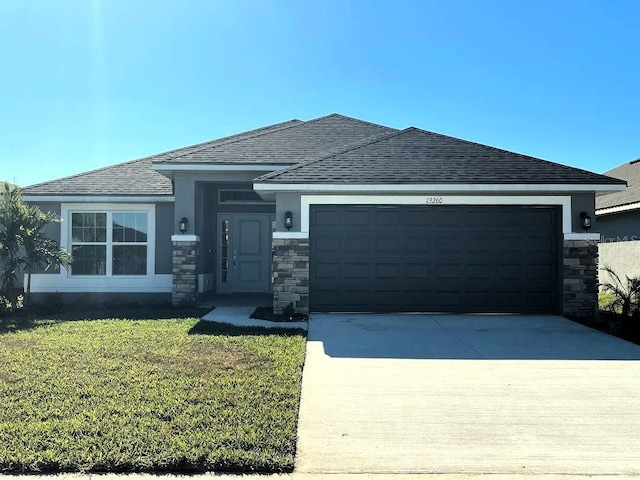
65,282
563,201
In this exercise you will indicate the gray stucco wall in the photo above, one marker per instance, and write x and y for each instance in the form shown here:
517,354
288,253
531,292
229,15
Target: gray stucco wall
164,230
583,202
619,227
622,257
288,202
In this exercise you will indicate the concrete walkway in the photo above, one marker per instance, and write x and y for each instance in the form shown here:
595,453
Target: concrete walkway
239,316
454,395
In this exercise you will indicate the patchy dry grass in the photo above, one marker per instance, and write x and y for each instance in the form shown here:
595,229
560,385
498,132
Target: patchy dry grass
147,395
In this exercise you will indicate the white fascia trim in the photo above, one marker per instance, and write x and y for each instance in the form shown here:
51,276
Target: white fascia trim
185,238
287,235
561,200
191,167
51,283
97,199
621,208
582,236
436,187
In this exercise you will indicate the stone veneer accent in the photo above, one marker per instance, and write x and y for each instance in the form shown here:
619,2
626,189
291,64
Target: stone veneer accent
580,278
184,292
290,259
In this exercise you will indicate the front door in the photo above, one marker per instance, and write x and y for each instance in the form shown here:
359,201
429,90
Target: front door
244,252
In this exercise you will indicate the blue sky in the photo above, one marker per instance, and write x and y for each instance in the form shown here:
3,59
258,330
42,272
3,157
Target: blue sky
89,83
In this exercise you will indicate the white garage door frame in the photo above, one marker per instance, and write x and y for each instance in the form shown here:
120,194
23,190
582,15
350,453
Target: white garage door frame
435,200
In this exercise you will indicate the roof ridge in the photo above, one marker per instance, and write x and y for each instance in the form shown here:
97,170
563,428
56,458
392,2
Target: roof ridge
239,137
365,122
349,148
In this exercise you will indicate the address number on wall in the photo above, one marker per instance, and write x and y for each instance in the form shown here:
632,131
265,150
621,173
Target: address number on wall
433,200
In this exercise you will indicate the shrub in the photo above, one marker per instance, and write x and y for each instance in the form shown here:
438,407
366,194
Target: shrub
625,294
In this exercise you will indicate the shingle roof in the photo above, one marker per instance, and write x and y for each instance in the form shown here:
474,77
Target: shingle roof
136,177
414,156
629,172
330,149
130,178
301,142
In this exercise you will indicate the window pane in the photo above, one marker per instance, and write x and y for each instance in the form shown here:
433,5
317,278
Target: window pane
129,260
76,234
89,260
130,227
88,227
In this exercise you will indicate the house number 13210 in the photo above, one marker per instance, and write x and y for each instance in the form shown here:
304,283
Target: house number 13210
434,200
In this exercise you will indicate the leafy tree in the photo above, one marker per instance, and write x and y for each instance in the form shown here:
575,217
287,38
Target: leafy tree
23,243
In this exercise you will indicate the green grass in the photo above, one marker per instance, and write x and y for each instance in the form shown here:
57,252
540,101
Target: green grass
147,395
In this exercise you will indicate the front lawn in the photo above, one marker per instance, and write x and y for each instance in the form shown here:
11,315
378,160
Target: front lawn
147,395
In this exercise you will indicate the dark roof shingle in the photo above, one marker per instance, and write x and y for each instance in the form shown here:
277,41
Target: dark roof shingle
414,156
629,172
136,177
301,142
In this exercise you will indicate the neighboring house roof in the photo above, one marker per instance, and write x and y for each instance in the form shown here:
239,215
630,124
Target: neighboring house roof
629,172
414,156
296,143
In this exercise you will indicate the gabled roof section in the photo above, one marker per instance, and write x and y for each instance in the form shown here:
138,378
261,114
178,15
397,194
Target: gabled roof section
414,156
297,143
630,173
136,177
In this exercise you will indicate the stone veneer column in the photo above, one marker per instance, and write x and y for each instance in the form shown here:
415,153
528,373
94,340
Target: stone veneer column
186,250
291,274
580,278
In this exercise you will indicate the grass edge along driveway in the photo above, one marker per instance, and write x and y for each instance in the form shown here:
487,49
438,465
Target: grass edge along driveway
156,395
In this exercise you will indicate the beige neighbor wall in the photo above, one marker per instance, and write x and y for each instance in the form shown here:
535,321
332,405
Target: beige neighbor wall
622,257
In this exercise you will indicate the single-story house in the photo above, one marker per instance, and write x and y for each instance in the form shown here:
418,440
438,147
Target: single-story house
618,222
333,214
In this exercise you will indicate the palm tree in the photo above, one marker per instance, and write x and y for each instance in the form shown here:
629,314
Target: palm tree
23,243
11,221
40,252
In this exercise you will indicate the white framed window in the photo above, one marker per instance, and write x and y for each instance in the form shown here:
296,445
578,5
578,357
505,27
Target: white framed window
110,240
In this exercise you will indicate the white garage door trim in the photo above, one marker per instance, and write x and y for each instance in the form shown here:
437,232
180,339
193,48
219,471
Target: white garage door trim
307,200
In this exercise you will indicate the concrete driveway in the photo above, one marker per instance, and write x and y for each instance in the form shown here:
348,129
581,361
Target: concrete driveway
467,394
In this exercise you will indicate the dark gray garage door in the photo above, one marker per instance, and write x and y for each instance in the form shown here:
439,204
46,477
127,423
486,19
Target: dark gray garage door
434,259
